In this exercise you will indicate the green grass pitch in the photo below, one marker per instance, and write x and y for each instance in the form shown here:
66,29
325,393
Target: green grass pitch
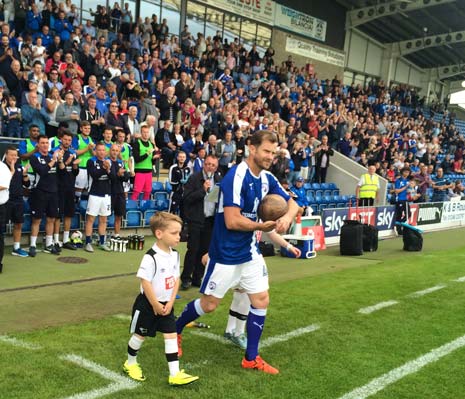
50,310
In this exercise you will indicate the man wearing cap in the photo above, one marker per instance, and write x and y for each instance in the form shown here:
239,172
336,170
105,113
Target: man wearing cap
299,194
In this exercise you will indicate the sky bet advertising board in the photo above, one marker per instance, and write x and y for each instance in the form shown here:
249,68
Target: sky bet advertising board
382,217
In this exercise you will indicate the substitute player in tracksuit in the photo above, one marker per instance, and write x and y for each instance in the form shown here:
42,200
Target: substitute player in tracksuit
100,172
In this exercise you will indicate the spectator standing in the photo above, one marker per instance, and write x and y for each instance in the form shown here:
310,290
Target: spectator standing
322,154
199,213
70,113
441,185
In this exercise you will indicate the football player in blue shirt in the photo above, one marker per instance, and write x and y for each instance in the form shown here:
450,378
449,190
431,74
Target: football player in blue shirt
234,257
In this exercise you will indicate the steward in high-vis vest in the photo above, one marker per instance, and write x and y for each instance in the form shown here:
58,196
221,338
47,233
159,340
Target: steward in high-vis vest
368,187
84,147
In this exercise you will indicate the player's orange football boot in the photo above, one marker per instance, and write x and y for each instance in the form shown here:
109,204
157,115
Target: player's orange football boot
259,364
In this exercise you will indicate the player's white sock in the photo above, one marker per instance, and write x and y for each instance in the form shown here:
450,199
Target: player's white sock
16,245
238,313
171,352
65,236
242,307
33,241
48,240
56,238
134,345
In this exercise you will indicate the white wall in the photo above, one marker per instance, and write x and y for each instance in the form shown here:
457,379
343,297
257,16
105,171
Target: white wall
363,53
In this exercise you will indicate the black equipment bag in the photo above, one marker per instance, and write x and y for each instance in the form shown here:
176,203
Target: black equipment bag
370,238
351,239
413,240
266,248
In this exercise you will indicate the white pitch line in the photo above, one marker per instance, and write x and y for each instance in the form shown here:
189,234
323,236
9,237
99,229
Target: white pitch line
266,342
18,343
214,337
427,291
291,334
124,317
460,279
378,306
378,384
118,382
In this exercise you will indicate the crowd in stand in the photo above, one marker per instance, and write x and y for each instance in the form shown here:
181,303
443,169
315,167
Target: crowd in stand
174,101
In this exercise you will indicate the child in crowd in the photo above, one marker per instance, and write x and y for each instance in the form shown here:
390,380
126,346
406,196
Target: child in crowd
153,309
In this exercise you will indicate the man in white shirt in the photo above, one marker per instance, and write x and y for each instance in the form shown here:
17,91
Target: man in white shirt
5,179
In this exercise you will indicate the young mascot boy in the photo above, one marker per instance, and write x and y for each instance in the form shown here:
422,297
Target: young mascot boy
153,308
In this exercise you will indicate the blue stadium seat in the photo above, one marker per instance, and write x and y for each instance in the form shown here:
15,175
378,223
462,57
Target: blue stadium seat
335,191
157,186
319,193
162,205
82,208
310,192
146,205
76,221
26,228
161,195
327,192
168,187
307,186
132,205
111,220
332,186
26,206
147,215
325,186
316,186
133,219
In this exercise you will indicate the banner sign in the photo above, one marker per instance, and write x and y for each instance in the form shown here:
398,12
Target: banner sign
382,217
258,10
453,211
315,52
429,213
300,23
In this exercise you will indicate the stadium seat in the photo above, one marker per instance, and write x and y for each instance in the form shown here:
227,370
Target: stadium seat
82,208
161,195
133,219
319,193
335,191
76,221
147,215
325,186
307,186
26,206
26,228
332,186
157,186
327,192
310,192
168,187
111,221
132,205
162,205
146,205
316,186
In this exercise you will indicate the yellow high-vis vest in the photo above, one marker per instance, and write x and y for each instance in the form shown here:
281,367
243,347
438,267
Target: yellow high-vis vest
369,187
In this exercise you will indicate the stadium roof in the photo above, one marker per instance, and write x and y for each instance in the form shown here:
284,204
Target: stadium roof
429,33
